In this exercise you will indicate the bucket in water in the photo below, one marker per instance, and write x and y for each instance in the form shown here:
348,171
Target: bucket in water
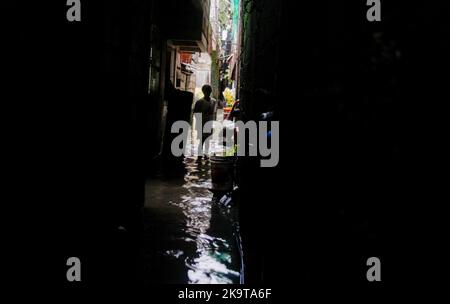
222,172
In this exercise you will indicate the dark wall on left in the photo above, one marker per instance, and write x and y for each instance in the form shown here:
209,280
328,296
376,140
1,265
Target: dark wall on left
76,114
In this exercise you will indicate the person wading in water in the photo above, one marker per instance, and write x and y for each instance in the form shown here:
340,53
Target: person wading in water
207,107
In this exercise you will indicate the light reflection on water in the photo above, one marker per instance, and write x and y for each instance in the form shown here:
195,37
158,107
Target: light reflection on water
212,262
203,237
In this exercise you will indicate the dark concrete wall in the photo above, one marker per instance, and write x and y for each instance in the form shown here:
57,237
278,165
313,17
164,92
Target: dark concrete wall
351,162
82,86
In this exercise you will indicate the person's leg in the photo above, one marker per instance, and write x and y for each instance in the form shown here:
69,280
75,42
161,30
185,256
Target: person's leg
200,146
207,145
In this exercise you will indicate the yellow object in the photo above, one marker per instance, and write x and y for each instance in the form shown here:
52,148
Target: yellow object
228,95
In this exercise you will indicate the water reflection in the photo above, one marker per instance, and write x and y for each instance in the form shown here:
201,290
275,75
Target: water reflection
189,229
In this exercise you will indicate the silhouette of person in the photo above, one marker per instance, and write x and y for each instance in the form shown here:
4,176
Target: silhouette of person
207,107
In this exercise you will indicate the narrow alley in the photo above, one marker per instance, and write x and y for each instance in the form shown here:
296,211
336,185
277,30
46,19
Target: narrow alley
106,105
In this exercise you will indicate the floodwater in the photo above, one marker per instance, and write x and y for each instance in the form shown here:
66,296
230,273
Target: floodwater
189,238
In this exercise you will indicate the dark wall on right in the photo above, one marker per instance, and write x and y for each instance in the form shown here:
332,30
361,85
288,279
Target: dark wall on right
358,104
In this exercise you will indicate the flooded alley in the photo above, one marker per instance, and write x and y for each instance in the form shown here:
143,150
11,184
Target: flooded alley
189,236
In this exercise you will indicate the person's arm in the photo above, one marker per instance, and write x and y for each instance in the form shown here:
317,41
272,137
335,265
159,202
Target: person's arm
219,104
197,107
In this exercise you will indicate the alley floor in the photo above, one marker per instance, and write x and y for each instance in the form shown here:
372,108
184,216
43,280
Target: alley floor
189,238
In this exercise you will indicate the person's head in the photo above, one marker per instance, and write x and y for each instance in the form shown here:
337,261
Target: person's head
207,90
